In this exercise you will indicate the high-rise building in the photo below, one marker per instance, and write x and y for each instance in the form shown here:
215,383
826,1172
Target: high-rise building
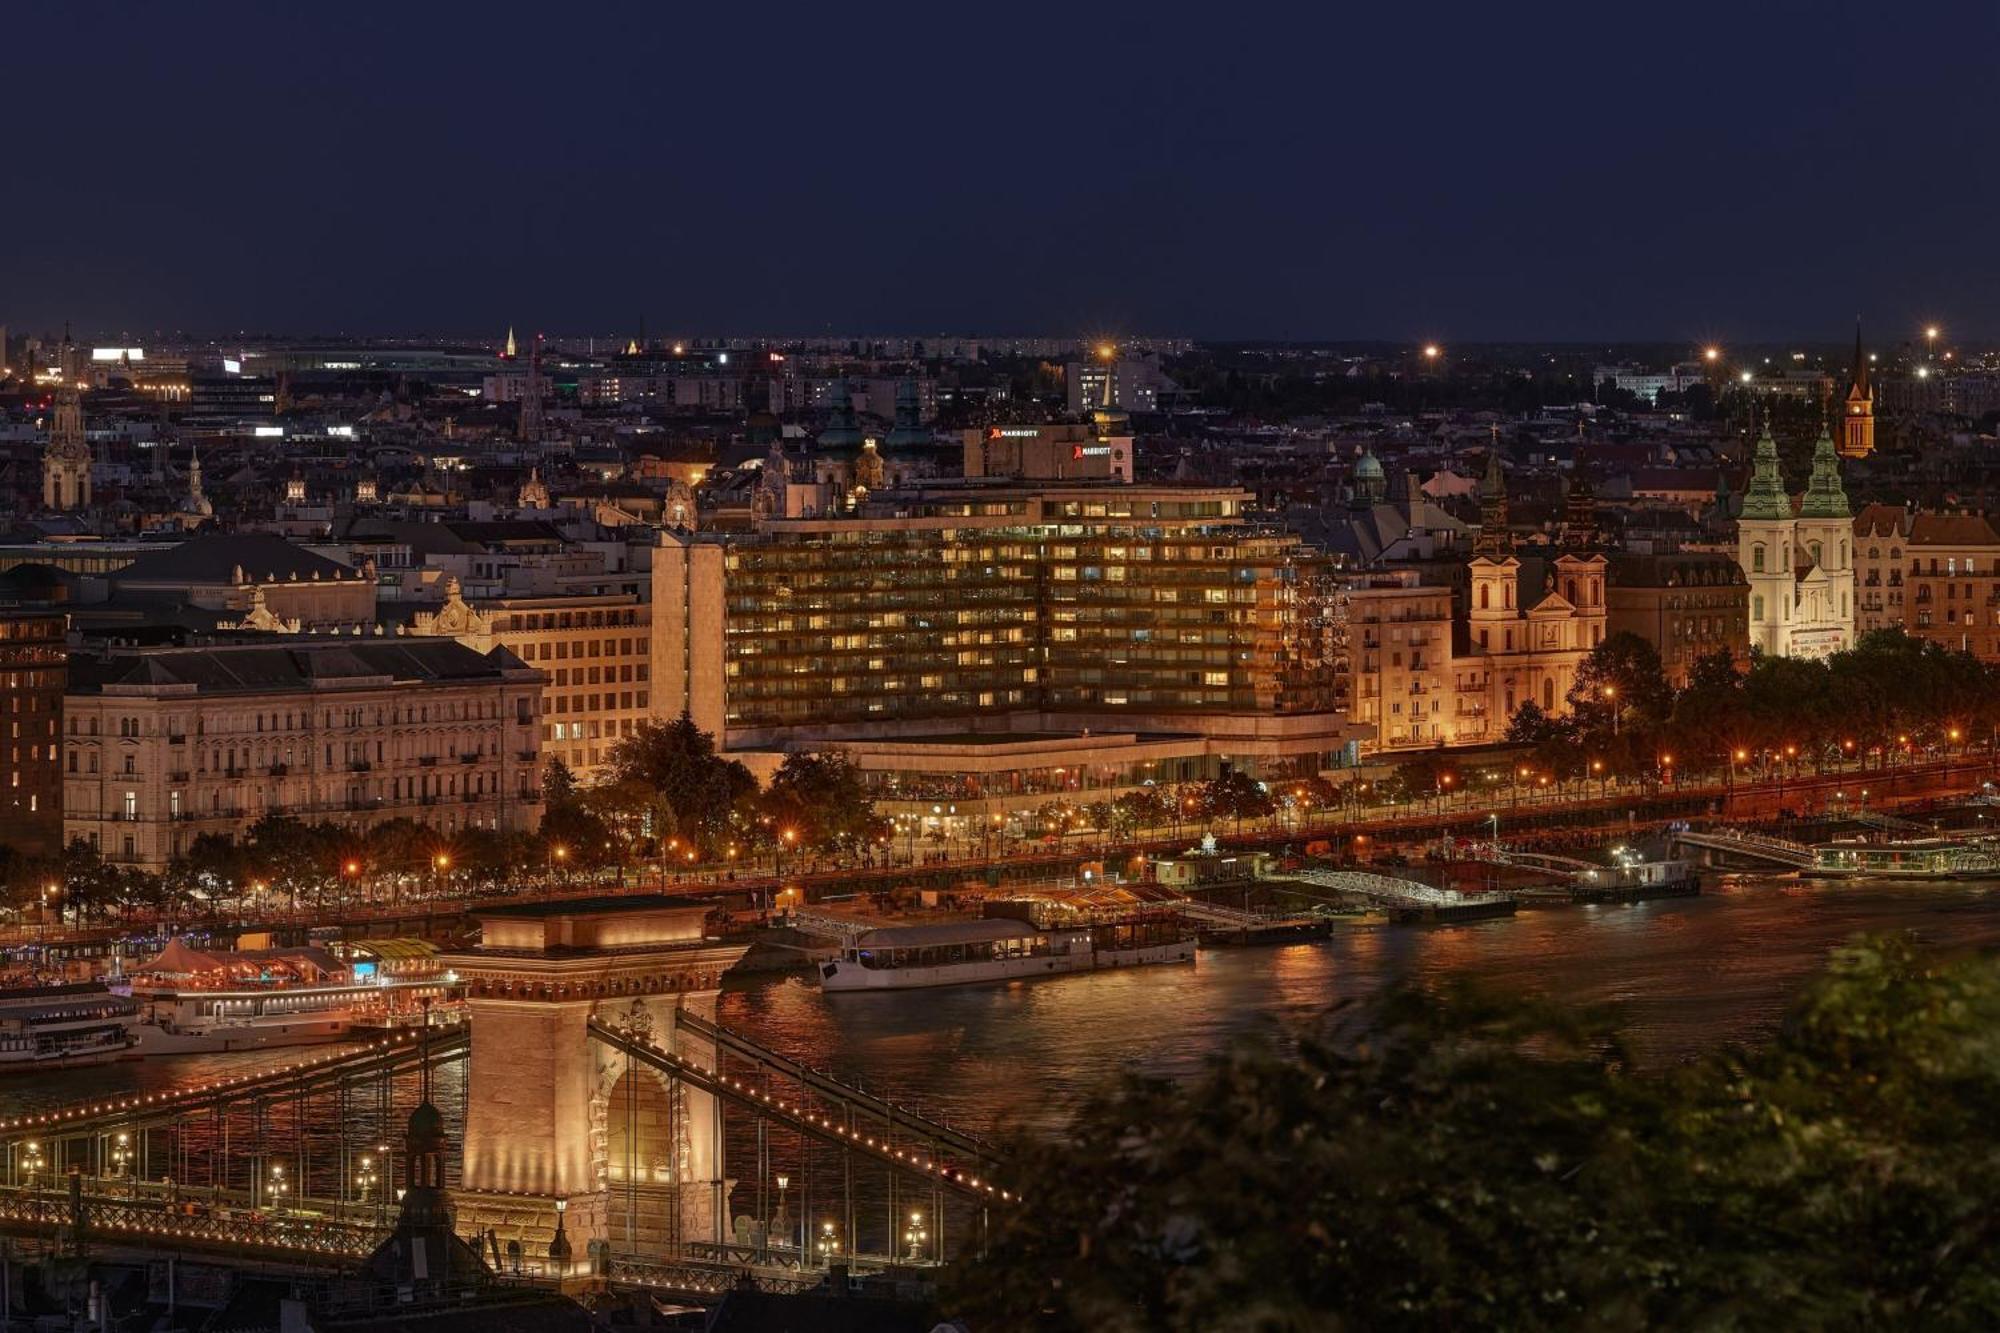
33,668
990,645
1110,383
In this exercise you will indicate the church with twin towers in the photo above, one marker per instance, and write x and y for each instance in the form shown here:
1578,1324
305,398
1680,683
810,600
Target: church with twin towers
1798,555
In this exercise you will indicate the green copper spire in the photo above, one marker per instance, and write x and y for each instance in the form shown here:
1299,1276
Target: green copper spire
1765,496
1824,497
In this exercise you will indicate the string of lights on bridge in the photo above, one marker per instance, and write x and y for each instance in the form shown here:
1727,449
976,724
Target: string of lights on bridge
930,1165
156,1100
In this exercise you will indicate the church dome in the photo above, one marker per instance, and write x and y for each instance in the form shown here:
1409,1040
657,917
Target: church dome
426,1126
1369,468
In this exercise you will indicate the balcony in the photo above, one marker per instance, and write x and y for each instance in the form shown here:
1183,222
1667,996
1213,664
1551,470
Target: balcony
526,756
279,770
359,766
471,758
180,775
427,761
177,738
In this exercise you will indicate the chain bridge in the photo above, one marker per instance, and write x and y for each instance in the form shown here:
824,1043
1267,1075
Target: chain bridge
605,1124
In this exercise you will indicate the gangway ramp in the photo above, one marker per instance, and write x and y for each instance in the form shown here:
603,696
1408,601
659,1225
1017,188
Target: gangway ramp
1757,847
1394,891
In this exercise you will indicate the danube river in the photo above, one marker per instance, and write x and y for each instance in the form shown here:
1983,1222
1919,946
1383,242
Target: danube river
1683,975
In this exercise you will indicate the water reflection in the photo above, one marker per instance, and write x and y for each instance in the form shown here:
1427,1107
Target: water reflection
1683,975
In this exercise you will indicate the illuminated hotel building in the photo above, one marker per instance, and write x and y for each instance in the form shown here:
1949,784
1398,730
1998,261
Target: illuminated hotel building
993,646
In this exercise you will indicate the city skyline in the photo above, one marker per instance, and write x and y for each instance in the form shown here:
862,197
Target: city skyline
1584,175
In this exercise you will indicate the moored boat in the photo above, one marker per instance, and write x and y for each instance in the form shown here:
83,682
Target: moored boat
63,1026
1904,859
1001,949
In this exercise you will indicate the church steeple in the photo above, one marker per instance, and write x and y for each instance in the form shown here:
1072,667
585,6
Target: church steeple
1495,539
1579,521
66,460
1764,497
1857,427
1825,497
510,352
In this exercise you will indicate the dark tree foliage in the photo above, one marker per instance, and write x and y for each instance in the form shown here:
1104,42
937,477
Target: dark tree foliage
1450,1160
701,791
820,797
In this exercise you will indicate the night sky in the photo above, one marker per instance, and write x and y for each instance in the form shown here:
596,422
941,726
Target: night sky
1461,171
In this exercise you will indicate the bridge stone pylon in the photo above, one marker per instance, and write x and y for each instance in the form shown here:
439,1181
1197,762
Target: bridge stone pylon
635,1160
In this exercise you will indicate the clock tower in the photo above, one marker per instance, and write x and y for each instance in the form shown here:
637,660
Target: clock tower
1857,426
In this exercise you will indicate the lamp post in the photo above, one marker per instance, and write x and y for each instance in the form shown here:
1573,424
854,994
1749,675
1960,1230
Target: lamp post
829,1243
914,1236
780,1225
364,1178
559,1243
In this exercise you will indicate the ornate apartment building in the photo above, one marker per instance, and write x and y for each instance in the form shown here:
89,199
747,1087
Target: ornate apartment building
162,745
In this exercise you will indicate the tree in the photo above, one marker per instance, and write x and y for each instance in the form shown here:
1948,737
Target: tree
558,783
1620,680
1443,1158
1235,795
704,792
821,798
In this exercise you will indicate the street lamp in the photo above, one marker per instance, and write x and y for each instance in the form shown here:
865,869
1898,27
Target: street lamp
780,1224
277,1187
829,1242
914,1236
559,1243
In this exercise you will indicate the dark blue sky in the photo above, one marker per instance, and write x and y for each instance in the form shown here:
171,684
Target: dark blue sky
1451,170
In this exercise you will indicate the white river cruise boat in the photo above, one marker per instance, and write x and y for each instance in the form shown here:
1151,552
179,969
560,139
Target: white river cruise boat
1909,858
999,949
192,1001
60,1027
